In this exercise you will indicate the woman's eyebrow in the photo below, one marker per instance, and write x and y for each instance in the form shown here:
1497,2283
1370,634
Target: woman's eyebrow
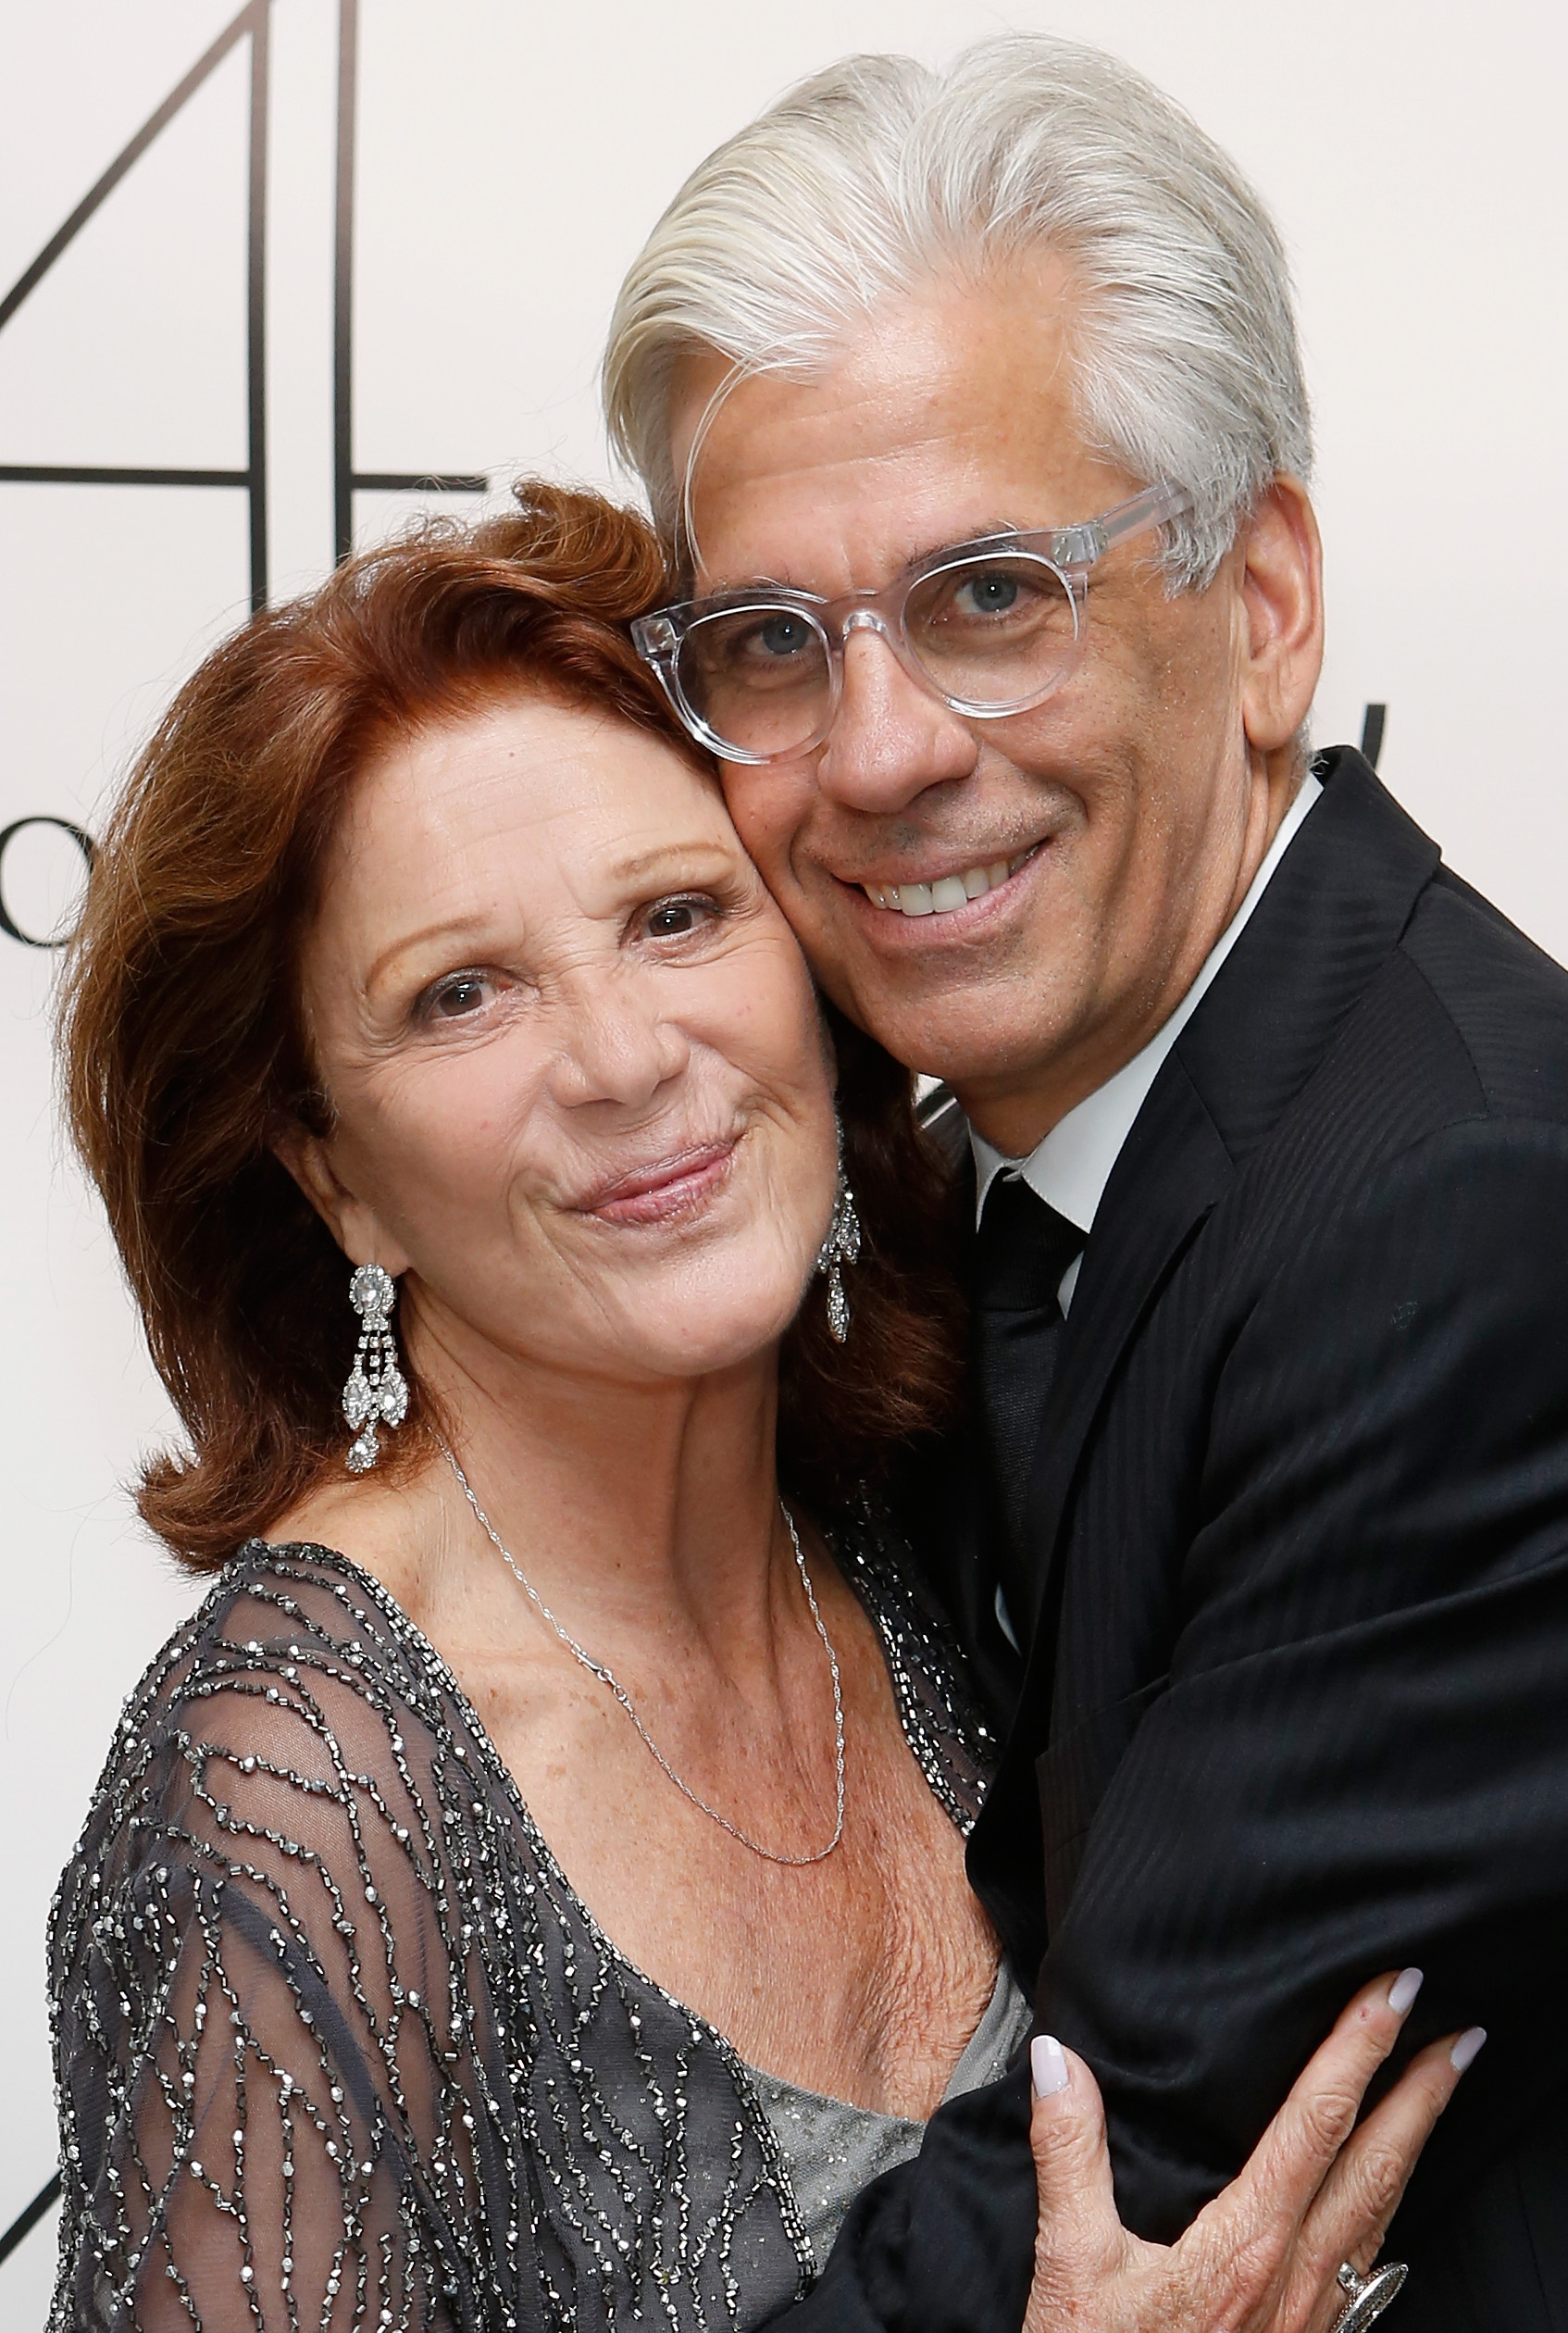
449,928
640,867
681,860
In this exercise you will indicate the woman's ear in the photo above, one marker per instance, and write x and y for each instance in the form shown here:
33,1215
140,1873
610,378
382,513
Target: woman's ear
353,1224
1282,595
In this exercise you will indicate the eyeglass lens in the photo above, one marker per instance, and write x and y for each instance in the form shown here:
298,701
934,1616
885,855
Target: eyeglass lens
997,632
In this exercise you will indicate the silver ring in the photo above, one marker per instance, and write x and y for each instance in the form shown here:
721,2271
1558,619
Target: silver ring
1367,2297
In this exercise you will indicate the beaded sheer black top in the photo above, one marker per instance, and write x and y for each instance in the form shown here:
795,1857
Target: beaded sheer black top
337,2044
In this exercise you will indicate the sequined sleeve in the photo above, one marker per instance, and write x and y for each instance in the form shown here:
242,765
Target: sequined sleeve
269,2110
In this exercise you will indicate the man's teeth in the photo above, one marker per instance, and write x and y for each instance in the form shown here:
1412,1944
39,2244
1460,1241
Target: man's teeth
947,893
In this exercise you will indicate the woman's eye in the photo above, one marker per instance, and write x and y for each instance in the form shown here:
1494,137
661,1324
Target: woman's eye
465,993
675,919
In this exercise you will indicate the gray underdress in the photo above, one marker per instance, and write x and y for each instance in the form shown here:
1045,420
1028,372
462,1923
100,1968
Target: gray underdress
835,2149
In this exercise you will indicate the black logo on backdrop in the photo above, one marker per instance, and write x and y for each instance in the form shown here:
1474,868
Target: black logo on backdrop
8,924
251,24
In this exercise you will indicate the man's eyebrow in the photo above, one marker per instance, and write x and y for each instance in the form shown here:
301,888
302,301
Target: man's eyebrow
714,590
984,532
981,532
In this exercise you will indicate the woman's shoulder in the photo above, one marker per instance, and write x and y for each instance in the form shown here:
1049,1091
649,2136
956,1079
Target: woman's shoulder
290,1613
297,1670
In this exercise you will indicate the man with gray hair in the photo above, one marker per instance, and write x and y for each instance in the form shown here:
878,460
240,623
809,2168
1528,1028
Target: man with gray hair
971,409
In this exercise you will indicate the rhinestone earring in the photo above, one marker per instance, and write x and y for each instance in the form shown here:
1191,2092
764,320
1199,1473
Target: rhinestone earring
377,1390
841,1247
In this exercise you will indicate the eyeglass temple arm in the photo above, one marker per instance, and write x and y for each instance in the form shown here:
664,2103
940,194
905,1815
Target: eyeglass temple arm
1080,546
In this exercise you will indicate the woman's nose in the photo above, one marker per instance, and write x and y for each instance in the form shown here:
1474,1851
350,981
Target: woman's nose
620,1046
890,738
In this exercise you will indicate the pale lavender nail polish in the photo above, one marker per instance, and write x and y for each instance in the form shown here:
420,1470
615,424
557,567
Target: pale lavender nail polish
1403,1989
1048,2066
1467,2049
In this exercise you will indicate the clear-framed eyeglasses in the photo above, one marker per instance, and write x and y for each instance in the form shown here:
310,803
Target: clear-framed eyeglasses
992,627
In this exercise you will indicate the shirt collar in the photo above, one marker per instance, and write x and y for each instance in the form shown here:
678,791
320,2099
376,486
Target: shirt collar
1070,1168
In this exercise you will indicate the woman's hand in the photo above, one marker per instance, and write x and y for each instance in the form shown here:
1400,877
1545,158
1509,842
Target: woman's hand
1264,2255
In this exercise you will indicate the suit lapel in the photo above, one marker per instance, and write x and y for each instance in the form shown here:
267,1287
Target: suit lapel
1333,911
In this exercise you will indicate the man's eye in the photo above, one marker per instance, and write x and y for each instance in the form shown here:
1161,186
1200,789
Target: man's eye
993,593
750,642
783,635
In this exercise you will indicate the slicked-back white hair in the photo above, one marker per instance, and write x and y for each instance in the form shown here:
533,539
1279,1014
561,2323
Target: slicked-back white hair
878,175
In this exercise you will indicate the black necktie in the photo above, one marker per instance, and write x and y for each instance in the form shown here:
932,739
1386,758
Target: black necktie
1021,1251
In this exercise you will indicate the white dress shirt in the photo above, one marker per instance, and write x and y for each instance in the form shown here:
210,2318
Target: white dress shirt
1072,1166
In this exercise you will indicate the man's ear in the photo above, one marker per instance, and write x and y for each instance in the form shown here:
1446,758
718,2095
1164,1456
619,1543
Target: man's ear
1282,595
351,1223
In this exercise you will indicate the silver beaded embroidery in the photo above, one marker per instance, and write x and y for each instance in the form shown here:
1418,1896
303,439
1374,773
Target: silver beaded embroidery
336,2043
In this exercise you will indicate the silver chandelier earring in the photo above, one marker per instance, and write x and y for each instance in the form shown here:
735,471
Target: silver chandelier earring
841,1247
376,1392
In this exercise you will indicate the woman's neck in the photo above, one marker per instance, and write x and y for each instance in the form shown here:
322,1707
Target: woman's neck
645,1514
641,1503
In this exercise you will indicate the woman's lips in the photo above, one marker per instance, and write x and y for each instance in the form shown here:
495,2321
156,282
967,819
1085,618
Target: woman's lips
674,1187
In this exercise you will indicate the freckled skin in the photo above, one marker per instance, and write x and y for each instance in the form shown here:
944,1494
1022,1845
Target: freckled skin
1155,777
542,961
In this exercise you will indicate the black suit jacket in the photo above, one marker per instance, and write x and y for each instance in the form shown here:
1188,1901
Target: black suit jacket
1295,1707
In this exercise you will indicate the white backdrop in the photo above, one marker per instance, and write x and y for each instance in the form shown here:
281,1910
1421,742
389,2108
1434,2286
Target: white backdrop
510,156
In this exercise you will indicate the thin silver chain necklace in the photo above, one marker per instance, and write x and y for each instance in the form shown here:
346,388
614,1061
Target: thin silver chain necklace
608,1677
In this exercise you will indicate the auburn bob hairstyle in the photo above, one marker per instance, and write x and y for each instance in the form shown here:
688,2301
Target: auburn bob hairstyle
184,1051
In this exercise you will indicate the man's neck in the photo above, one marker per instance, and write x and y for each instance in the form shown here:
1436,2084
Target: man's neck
1070,1165
1015,1117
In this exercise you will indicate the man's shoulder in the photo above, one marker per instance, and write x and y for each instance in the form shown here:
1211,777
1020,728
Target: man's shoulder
1444,1073
1502,999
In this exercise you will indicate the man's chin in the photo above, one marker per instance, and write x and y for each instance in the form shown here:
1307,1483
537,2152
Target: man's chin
963,1014
970,1050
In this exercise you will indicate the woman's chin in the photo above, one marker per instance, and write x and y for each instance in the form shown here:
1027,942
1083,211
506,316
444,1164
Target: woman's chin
705,1331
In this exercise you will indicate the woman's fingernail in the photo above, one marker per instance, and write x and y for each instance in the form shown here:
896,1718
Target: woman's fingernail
1467,2049
1048,2064
1403,1989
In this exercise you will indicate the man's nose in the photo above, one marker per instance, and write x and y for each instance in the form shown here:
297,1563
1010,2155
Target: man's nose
890,738
619,1046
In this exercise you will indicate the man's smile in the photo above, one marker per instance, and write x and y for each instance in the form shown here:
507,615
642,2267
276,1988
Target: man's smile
946,894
